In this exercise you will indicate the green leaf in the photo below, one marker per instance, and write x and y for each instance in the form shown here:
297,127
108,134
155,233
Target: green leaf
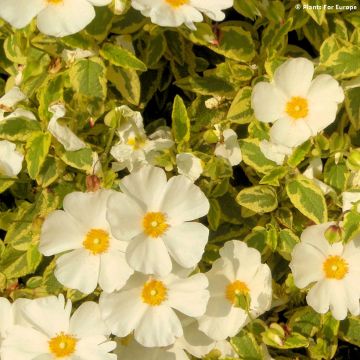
287,241
209,85
50,171
253,156
121,57
246,346
180,121
80,159
336,174
260,198
350,225
344,63
88,77
352,104
240,111
37,148
127,82
307,198
18,129
273,177
316,9
350,330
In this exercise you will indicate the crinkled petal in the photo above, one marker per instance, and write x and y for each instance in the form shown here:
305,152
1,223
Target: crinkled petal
9,11
290,133
148,255
114,271
83,325
66,18
60,232
294,77
267,102
183,201
186,243
122,311
78,269
158,327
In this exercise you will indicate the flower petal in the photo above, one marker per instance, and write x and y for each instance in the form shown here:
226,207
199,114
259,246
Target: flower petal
84,325
124,216
267,102
65,19
60,232
183,201
79,270
189,296
149,256
294,77
114,271
290,133
9,11
122,311
186,243
158,327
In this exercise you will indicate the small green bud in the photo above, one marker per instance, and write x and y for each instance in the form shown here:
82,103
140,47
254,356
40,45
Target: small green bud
210,137
334,234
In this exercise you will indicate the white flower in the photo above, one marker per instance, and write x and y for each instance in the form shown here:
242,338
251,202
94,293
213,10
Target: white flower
61,132
54,17
189,165
8,102
134,351
298,106
177,12
334,269
96,256
239,271
196,343
275,152
10,159
146,304
350,198
229,147
135,149
46,331
155,215
314,171
6,318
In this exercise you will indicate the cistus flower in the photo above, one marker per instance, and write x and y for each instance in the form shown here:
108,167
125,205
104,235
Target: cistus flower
174,13
189,165
54,17
94,255
237,273
332,270
147,303
155,217
135,149
228,147
10,159
298,105
45,330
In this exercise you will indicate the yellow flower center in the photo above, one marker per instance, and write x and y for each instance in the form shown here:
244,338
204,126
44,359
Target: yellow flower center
154,293
335,267
62,345
97,241
154,224
55,1
297,107
177,3
135,143
236,288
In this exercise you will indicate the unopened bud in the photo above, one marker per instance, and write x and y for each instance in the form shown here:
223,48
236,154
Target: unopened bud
92,183
333,234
